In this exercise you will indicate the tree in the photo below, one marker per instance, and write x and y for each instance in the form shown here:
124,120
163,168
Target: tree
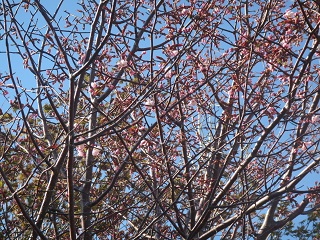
159,119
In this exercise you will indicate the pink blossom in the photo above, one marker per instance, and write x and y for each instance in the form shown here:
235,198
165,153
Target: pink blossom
93,90
203,68
144,143
93,85
122,63
272,110
96,151
201,81
231,92
141,128
81,58
173,53
289,14
289,31
110,86
315,118
149,104
186,30
285,44
184,11
305,145
188,57
168,74
192,102
81,153
82,146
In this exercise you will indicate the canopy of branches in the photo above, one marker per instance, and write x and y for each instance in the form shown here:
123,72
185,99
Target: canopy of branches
159,119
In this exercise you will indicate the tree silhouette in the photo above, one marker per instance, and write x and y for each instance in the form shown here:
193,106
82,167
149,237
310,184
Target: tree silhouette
159,119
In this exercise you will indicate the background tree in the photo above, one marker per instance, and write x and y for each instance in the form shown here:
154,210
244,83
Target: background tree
159,119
